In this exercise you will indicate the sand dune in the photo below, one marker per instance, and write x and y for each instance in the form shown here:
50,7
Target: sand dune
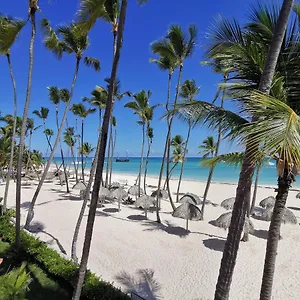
162,261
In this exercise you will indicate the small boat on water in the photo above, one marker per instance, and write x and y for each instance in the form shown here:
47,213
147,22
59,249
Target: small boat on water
118,159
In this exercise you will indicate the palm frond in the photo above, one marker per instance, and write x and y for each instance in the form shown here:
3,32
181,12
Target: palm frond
232,159
92,62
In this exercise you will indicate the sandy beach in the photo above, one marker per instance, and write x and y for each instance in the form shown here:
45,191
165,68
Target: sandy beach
182,266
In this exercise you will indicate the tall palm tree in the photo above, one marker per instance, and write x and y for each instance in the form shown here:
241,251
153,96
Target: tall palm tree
33,7
207,148
70,140
140,107
9,30
69,40
86,149
176,47
248,167
188,92
55,97
114,140
81,111
150,136
101,156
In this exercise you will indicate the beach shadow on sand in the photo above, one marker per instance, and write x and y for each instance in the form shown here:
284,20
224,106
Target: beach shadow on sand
167,227
137,218
142,283
261,234
110,210
39,227
294,208
214,244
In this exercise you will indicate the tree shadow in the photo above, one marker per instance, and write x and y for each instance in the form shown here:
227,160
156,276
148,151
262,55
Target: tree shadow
26,205
70,197
137,218
110,210
294,208
214,244
168,228
101,214
143,283
39,227
261,234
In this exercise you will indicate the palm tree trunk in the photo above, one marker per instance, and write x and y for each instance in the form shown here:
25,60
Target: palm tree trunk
164,155
62,154
284,184
248,166
12,147
100,162
108,155
182,165
29,148
168,179
74,161
112,157
142,157
82,166
258,167
169,175
146,163
30,213
84,203
23,129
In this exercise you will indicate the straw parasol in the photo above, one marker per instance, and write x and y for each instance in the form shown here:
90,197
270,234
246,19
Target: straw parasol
104,193
228,203
163,194
145,202
115,185
191,198
298,196
225,219
134,190
187,211
118,194
267,202
79,186
287,217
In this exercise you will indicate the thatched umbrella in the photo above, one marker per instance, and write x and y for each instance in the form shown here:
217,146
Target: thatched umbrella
187,211
225,219
118,194
191,198
298,196
287,217
115,185
267,202
81,187
228,203
134,190
145,202
162,194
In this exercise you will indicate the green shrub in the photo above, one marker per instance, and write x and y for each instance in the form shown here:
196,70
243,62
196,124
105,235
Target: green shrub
55,265
14,284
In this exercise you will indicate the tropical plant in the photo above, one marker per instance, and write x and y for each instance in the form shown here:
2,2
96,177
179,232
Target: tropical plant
188,92
174,49
113,142
86,149
70,140
9,30
102,149
69,40
81,111
32,8
140,107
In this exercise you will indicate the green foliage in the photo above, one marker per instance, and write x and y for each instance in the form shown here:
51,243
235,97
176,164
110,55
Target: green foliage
208,147
57,266
14,284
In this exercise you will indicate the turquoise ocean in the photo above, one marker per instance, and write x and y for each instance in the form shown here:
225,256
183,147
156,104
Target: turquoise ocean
192,170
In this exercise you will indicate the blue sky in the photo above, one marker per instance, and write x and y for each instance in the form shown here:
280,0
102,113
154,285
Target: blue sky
143,26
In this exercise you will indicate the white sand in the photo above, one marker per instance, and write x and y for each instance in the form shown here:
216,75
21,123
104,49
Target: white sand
185,267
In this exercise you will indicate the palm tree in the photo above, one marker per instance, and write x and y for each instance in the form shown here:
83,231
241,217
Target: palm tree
67,39
140,107
114,140
33,7
176,47
70,140
86,149
81,111
150,136
55,97
248,167
101,156
208,148
188,92
9,30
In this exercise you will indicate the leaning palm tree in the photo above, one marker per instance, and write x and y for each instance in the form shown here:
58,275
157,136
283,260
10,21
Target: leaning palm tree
188,92
9,30
101,156
70,140
32,9
208,148
67,39
55,97
176,47
113,142
81,111
140,107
